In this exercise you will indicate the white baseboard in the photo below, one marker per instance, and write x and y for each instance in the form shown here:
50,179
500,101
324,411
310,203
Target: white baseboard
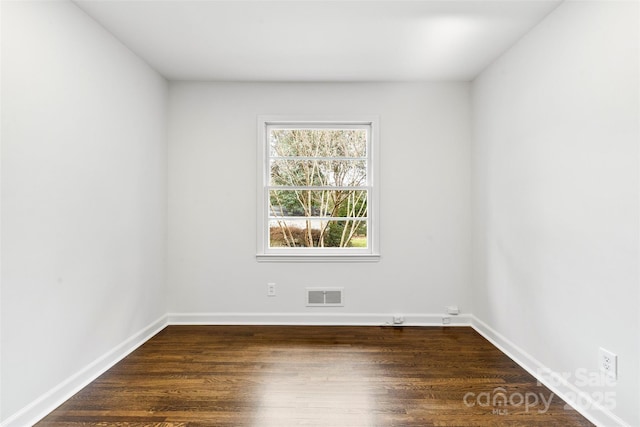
325,319
46,403
554,381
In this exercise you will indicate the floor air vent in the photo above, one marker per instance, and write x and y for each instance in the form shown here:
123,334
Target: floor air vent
325,297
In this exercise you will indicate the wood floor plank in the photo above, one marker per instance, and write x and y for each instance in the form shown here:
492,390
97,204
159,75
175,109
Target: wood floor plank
264,376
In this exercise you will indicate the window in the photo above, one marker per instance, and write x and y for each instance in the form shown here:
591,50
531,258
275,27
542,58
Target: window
317,190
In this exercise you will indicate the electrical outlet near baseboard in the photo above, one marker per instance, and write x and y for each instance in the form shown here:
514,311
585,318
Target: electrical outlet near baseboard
608,363
271,289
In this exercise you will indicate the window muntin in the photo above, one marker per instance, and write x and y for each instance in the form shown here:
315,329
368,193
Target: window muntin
317,188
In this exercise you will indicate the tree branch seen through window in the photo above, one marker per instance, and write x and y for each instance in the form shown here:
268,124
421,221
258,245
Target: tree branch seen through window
317,188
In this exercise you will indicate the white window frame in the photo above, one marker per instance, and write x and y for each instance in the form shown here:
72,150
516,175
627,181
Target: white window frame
266,254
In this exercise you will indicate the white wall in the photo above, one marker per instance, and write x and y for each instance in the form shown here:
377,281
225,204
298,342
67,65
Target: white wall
425,200
555,185
83,197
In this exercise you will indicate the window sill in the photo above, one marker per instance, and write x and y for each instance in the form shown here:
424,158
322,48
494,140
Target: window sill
317,258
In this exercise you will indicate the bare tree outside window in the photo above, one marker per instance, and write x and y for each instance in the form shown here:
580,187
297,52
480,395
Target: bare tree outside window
318,187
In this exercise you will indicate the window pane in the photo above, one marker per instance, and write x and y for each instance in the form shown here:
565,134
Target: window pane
318,203
317,191
318,142
335,173
318,233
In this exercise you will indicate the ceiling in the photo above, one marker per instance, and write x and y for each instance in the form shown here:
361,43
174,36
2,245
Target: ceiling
312,40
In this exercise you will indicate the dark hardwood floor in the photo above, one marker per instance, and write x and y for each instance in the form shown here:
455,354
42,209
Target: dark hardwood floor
278,376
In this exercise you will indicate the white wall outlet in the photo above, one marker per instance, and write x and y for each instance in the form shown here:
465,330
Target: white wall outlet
608,363
271,289
398,319
453,309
